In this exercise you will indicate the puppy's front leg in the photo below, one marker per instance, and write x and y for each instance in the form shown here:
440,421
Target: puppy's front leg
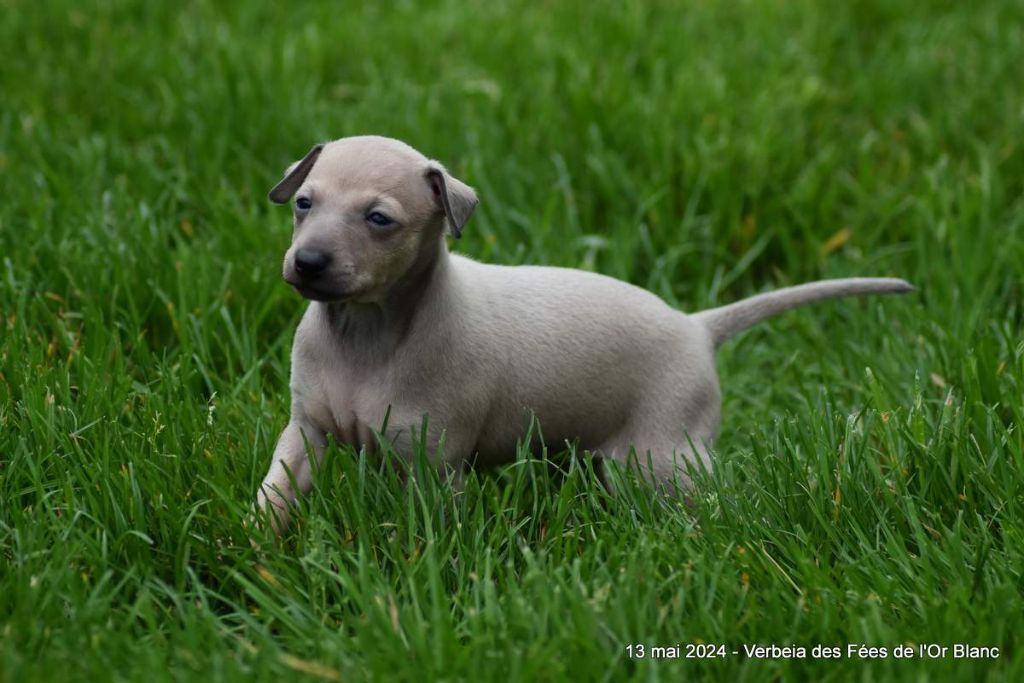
276,494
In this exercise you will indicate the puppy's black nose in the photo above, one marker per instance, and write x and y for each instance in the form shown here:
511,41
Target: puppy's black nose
311,261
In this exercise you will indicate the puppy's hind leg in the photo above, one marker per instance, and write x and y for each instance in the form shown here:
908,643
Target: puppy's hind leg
661,462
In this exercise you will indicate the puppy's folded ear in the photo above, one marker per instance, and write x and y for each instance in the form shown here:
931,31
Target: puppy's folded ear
294,176
454,197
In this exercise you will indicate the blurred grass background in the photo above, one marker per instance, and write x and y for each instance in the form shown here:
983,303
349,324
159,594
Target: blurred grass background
869,479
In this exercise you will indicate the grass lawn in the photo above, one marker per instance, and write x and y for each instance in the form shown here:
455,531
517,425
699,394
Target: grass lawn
868,486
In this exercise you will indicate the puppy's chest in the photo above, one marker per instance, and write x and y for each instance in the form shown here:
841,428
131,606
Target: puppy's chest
347,404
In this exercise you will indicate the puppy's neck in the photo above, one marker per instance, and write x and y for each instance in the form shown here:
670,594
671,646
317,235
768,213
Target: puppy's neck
372,332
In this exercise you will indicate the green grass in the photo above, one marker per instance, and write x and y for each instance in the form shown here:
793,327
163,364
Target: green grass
868,486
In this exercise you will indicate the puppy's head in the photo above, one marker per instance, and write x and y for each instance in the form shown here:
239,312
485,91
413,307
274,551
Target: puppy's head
368,210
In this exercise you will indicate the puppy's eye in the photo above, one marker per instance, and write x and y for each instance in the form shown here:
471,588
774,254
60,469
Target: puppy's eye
378,219
303,204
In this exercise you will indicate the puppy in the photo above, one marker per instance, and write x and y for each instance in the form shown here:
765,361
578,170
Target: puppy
399,327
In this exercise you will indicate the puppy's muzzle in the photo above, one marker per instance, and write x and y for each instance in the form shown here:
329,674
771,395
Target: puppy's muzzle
310,274
311,262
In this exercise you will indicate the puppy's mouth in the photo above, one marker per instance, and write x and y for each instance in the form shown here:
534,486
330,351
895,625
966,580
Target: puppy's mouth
313,292
318,294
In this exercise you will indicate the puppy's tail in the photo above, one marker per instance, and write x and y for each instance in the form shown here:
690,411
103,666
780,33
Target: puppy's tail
725,322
